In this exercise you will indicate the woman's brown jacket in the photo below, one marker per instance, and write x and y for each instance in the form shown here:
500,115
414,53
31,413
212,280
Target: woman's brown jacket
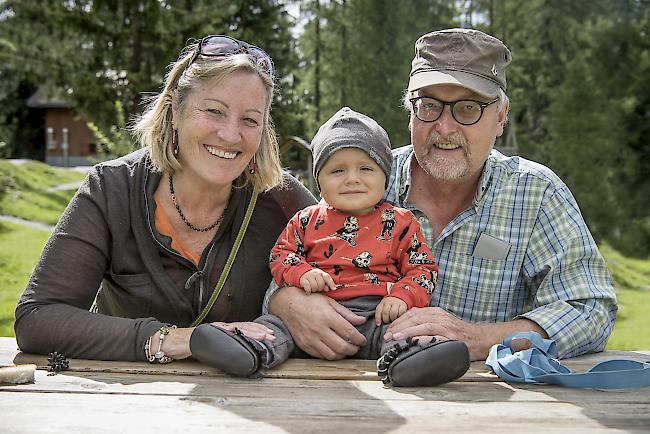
105,249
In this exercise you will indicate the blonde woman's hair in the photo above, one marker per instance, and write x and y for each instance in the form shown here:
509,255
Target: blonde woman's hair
154,129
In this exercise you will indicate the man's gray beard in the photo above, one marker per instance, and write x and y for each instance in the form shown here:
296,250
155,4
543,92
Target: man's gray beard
445,169
442,168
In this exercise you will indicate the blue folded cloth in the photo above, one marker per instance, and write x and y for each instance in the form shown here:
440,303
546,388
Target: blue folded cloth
539,364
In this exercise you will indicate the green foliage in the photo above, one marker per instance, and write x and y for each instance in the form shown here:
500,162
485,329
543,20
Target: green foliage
104,51
358,53
628,273
27,194
34,175
631,321
20,248
581,137
5,184
41,206
542,35
117,141
632,283
580,97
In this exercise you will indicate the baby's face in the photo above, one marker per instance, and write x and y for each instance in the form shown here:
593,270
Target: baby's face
351,181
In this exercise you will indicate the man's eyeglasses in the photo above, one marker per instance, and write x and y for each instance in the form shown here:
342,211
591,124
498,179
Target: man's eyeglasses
464,111
224,46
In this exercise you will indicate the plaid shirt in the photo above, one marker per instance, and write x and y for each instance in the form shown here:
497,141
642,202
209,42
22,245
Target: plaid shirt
536,259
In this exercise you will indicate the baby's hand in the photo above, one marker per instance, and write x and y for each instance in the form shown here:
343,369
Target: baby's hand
316,280
389,309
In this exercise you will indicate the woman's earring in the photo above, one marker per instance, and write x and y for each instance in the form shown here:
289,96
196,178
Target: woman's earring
175,143
252,166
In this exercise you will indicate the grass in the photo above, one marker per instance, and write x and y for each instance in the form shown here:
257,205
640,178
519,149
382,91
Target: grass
20,248
27,196
632,283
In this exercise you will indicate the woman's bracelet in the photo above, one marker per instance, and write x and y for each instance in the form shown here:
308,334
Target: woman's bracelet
159,356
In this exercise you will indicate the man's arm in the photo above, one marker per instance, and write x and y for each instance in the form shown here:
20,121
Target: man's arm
319,325
574,301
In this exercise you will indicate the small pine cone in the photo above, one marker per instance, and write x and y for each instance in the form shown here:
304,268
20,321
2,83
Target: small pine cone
57,362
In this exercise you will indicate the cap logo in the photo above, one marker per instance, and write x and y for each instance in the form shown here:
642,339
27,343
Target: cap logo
494,70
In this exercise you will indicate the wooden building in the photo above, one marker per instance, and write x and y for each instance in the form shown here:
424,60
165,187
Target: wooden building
66,141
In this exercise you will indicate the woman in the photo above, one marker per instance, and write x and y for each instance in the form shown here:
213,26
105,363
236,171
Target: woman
147,236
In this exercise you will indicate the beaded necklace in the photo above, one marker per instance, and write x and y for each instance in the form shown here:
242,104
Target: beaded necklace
180,213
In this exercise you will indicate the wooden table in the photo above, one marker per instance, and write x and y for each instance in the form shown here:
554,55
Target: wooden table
303,396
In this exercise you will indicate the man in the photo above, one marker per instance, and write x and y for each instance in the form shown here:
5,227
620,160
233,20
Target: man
514,252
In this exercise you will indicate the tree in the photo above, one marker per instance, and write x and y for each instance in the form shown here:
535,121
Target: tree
583,133
102,51
634,104
364,51
579,102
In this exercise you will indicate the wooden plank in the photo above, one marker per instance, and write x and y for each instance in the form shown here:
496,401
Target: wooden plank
312,390
353,412
204,401
586,361
295,368
348,369
301,396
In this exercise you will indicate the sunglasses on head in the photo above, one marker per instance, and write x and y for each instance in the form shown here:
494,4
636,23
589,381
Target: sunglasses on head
224,46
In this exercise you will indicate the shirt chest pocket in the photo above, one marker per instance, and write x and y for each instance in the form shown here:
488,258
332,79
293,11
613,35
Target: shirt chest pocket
478,289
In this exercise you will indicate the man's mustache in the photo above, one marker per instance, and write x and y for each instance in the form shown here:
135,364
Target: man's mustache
453,139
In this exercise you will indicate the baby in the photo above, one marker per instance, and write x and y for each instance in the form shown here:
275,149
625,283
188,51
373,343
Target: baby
363,252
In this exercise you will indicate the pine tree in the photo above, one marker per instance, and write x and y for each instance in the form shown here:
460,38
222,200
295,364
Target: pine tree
364,57
103,51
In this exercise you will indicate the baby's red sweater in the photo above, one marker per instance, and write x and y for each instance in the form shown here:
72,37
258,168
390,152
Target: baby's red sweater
380,253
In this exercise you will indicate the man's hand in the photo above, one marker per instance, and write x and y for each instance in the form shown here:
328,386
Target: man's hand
479,338
319,325
434,321
317,280
389,309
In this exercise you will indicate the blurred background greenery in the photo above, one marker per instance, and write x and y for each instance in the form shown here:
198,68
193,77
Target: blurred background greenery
578,83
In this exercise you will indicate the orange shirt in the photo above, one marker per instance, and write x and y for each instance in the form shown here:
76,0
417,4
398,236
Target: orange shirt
164,227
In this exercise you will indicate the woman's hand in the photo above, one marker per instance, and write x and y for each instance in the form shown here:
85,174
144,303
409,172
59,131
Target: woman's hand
319,325
177,343
251,329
